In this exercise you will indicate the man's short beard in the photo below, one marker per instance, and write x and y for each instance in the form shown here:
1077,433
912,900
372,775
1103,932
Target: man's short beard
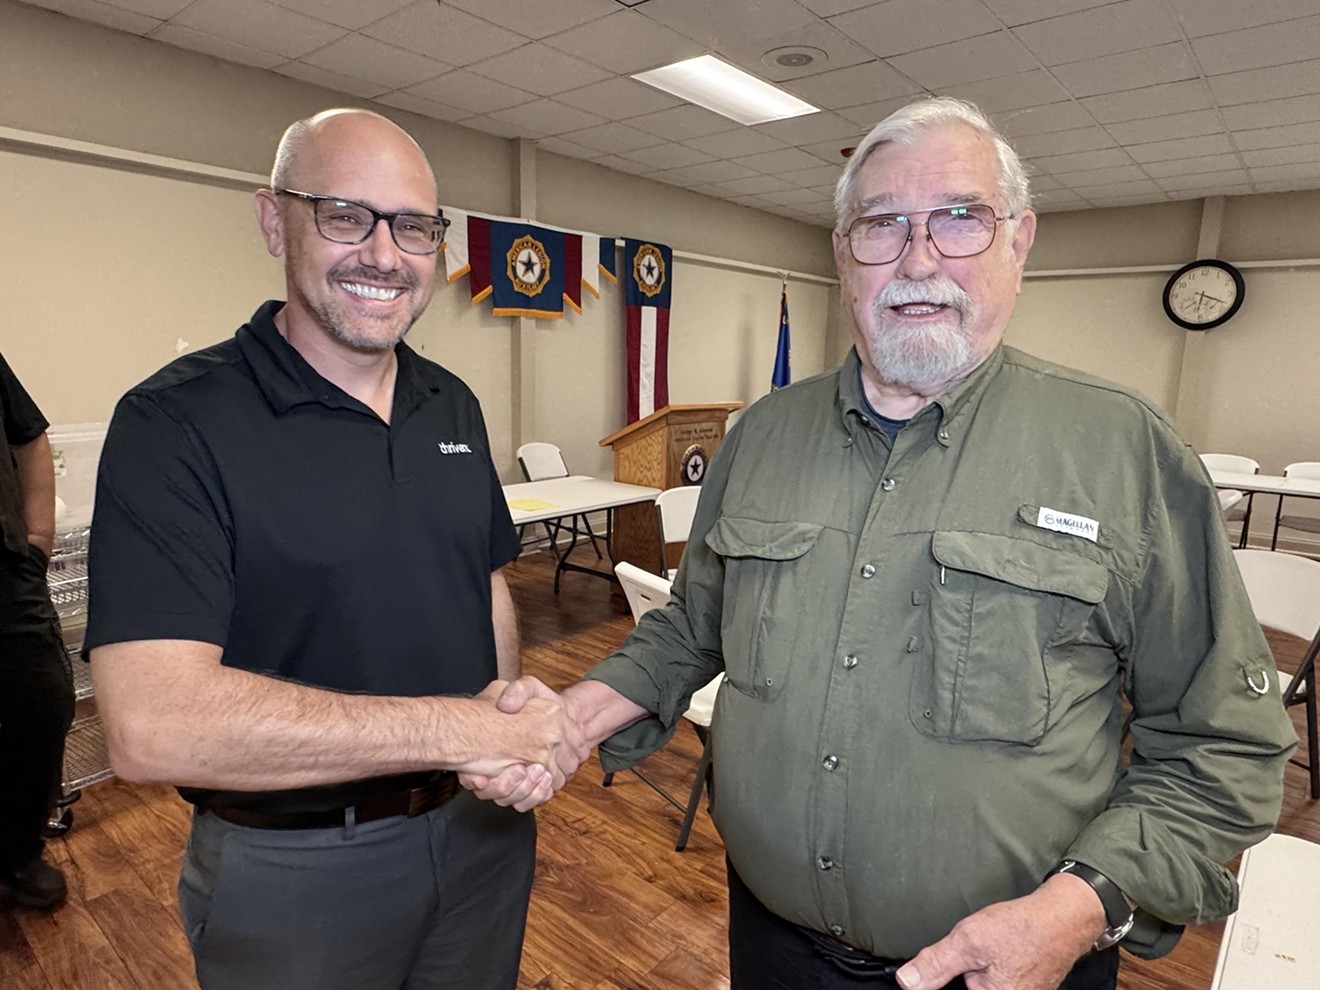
921,357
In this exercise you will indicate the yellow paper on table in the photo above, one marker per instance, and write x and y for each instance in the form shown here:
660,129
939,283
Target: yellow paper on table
531,504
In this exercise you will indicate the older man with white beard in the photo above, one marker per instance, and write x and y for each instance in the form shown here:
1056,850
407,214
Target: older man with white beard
931,577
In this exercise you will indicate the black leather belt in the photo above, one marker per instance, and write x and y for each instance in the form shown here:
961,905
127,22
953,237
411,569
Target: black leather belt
410,804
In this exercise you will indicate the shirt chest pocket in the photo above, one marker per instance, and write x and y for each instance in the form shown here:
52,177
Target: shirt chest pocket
767,569
997,606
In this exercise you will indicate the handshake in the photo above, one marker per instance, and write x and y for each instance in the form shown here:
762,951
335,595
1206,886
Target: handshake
529,748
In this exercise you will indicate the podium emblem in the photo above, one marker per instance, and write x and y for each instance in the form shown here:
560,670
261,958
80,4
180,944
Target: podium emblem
693,465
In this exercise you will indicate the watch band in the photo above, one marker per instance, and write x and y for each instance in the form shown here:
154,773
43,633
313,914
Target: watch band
1119,914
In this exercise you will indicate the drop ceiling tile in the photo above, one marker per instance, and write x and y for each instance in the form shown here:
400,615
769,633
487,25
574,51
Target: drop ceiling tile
534,18
625,42
1129,70
538,68
160,9
1277,137
1054,199
669,155
1178,125
1042,120
1107,30
1080,161
1150,101
366,58
710,172
774,162
870,114
1063,142
500,128
1274,83
1124,201
1203,180
259,25
1014,12
681,123
615,138
468,91
1139,187
426,108
230,51
756,55
811,128
1161,151
907,25
1044,183
1024,89
792,197
102,13
864,83
569,149
1306,171
351,14
331,80
1290,155
1103,176
969,60
732,144
547,117
445,33
1256,48
1191,166
714,24
753,185
817,175
1273,113
618,98
1279,185
829,152
828,8
1201,18
623,165
1229,190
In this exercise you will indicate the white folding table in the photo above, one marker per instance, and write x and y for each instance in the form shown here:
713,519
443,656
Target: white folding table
554,499
1268,484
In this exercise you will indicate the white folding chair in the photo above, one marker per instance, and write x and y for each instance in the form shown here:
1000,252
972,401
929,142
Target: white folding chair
1285,595
644,592
1239,465
1269,942
675,508
1306,524
540,461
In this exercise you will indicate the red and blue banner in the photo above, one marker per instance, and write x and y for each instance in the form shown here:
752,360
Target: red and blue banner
522,267
782,374
648,277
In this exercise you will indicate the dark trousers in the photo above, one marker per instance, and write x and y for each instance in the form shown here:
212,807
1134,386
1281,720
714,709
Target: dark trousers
435,902
768,953
36,706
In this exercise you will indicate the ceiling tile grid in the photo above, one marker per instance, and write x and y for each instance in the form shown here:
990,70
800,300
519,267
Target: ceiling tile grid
1110,102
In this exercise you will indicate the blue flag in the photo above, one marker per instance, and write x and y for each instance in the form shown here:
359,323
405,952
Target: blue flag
782,375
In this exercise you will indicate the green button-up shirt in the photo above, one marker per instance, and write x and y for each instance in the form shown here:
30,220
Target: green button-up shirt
926,646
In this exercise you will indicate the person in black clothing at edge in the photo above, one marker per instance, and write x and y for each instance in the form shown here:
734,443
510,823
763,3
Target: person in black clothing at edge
36,693
298,615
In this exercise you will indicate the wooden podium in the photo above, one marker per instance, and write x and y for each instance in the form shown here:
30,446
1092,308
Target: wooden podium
671,447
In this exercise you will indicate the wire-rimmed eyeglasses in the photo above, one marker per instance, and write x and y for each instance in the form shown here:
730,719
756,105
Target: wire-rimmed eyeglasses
954,231
346,222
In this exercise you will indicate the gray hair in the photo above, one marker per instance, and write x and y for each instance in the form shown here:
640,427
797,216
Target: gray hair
904,125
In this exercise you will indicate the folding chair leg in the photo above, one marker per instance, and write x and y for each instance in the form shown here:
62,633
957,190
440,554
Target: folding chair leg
694,799
607,780
1312,743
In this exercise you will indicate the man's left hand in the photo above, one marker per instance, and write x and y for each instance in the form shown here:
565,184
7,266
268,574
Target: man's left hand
1025,944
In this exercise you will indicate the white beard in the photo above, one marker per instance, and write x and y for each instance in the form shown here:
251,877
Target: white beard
921,357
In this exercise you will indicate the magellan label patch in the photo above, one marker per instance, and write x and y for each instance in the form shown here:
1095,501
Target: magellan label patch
1066,522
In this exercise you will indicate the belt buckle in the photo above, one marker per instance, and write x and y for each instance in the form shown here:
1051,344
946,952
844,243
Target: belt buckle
422,799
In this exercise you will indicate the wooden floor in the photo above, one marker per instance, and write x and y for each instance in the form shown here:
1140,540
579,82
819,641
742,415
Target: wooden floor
614,907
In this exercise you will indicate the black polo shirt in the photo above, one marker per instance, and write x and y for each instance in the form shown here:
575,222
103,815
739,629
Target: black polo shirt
21,422
246,501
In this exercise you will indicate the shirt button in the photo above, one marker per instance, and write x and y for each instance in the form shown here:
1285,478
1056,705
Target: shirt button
943,435
849,662
836,930
887,485
868,571
824,863
830,762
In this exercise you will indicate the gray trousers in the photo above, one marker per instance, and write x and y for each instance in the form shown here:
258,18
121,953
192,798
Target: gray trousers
436,902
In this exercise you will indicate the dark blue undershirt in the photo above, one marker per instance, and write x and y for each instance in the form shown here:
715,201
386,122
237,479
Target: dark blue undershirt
889,427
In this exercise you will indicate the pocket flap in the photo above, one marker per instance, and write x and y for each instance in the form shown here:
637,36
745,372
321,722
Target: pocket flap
1023,563
732,536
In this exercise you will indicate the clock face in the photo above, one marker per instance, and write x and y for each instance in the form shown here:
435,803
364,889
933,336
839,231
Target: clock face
1203,294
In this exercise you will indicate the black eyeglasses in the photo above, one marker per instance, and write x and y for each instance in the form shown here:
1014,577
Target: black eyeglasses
346,222
954,231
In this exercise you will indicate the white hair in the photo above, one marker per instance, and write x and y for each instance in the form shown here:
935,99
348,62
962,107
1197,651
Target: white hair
906,124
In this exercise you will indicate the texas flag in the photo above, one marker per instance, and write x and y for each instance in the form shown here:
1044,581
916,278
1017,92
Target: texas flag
648,271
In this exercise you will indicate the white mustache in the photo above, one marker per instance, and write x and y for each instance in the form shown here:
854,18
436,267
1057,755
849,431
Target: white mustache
939,290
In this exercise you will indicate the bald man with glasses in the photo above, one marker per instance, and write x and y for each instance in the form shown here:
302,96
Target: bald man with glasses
298,615
931,578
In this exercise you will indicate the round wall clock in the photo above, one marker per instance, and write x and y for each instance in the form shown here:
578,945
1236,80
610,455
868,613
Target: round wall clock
1204,294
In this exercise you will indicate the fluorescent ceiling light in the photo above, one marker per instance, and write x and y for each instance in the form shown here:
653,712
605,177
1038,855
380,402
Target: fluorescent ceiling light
718,86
